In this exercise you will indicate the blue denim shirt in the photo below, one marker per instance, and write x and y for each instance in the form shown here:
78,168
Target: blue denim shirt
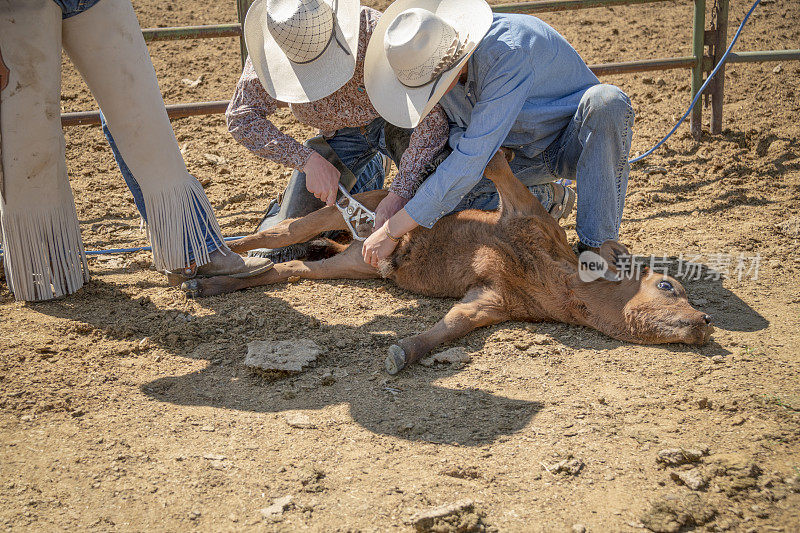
523,86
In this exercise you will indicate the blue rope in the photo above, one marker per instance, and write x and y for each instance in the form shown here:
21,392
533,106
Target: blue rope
703,88
634,160
129,250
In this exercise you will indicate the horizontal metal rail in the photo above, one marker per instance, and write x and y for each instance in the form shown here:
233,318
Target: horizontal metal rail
545,6
192,32
86,118
763,55
644,65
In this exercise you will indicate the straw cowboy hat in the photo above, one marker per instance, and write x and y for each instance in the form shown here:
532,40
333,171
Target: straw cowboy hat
302,50
415,52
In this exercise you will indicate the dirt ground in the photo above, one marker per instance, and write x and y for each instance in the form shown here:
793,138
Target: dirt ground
127,407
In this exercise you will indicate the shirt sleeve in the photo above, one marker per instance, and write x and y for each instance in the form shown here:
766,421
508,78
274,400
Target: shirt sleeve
427,140
248,123
505,88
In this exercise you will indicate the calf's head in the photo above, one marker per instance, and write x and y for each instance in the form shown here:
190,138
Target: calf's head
659,312
648,308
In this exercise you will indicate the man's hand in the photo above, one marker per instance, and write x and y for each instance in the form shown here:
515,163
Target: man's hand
377,246
322,178
388,207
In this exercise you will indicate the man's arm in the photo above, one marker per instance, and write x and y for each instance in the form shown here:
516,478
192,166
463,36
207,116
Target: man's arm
427,140
507,85
248,122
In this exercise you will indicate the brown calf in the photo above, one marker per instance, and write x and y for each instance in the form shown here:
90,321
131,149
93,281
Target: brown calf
510,264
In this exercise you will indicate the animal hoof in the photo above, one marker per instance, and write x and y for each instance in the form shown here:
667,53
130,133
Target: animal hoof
396,360
191,288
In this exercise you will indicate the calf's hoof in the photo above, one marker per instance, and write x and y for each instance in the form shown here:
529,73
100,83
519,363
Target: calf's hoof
396,360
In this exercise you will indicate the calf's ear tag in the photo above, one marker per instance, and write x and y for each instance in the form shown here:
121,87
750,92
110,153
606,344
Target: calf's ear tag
593,266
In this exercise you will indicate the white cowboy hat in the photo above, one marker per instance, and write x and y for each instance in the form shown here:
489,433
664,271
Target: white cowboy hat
415,52
302,50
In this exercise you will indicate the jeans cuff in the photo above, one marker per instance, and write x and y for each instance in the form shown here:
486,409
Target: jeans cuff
590,242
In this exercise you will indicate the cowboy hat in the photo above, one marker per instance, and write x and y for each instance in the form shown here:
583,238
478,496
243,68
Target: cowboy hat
302,50
416,50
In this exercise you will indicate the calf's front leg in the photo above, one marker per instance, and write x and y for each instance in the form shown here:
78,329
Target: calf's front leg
297,230
481,306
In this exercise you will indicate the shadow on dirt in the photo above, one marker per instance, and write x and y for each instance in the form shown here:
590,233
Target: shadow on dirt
410,406
350,370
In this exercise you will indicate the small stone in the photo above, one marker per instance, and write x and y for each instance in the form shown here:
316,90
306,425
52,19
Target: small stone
277,507
281,356
194,515
718,359
233,518
522,344
693,479
453,355
704,403
214,457
601,400
300,421
144,344
425,520
578,528
678,456
738,420
293,279
568,466
777,69
209,429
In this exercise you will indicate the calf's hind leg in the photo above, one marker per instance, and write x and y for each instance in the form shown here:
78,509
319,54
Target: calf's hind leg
481,306
346,265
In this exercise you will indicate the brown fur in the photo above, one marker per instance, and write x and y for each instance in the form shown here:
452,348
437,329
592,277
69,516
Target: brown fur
510,264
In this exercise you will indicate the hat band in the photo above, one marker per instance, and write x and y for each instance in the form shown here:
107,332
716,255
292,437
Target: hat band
447,62
332,37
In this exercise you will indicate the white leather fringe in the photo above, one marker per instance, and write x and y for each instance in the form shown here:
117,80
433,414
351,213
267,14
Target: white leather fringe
179,219
43,255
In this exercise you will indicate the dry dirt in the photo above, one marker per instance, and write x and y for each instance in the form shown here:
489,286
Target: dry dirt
127,407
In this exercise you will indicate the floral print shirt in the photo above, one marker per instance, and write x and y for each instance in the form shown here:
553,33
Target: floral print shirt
349,107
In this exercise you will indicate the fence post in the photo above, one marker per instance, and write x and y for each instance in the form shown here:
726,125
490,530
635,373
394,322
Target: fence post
720,43
241,10
698,48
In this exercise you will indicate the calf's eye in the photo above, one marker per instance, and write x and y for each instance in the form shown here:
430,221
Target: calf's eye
664,285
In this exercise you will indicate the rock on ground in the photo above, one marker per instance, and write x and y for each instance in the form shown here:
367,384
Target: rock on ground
691,478
278,506
672,514
453,355
454,517
281,356
678,456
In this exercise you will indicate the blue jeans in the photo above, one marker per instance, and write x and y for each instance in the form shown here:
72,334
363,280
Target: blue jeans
593,150
211,240
360,151
70,8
